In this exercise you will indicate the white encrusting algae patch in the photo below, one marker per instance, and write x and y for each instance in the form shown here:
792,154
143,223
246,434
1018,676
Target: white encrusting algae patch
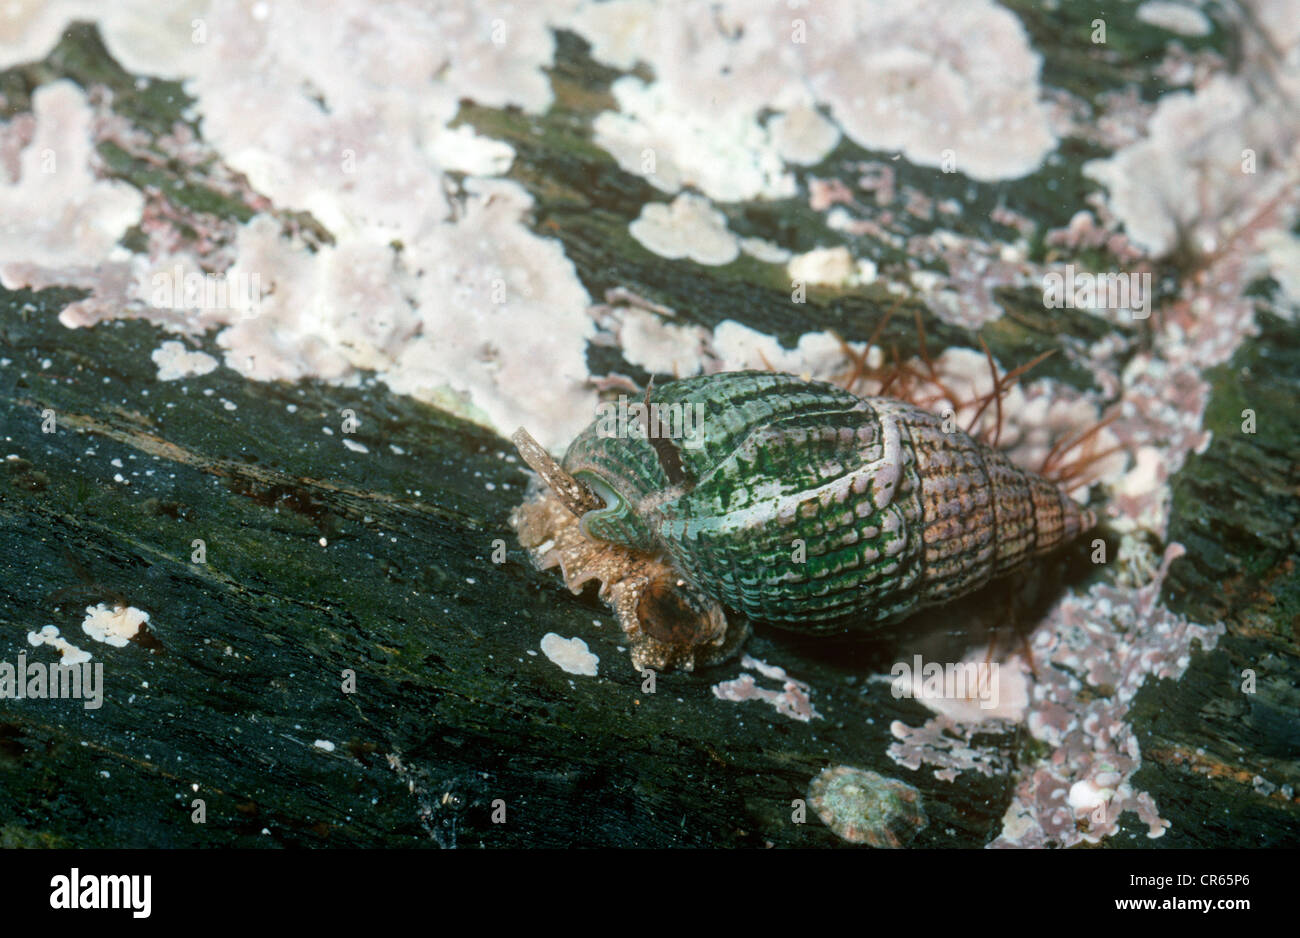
935,80
727,155
113,625
1181,18
689,227
57,213
570,654
174,361
49,635
431,282
834,266
802,135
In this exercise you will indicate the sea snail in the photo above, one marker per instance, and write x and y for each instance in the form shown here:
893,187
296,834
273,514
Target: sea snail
793,502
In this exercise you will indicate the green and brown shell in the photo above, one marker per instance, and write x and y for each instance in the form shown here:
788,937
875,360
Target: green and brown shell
799,504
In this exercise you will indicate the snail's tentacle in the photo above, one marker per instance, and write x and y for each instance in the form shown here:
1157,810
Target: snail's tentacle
572,493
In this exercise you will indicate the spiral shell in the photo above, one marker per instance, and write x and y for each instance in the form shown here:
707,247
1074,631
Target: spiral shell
800,504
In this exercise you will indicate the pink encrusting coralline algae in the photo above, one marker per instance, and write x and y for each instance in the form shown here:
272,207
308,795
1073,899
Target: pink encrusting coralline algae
793,700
